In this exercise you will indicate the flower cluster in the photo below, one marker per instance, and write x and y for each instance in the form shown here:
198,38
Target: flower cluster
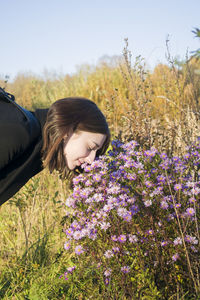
133,203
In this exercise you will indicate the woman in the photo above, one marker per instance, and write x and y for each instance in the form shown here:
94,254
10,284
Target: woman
71,132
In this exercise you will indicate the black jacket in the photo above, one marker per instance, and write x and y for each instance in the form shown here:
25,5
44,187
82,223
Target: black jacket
20,146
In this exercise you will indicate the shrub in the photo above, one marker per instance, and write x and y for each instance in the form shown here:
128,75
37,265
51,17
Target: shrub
135,214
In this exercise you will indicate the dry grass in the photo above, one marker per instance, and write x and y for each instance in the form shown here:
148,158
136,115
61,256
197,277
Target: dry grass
158,109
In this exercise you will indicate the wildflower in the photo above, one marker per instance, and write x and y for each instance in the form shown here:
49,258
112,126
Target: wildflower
192,200
108,254
164,243
69,232
125,269
114,238
70,202
186,156
148,184
108,272
134,209
121,211
195,191
122,238
150,232
133,238
75,225
113,189
164,205
127,217
191,239
148,203
163,155
190,211
178,186
98,197
79,250
158,190
96,178
77,235
131,200
108,207
161,178
131,176
71,269
175,257
107,280
67,245
165,164
105,225
115,250
194,249
178,241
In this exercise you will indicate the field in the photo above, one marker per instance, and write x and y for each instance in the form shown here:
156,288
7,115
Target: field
159,110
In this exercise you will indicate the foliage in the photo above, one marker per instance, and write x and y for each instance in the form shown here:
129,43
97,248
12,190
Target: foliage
138,210
196,32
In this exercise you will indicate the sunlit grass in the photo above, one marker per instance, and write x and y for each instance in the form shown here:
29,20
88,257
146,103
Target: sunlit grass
159,108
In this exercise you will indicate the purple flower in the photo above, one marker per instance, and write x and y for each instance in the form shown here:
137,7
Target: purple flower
77,235
192,200
178,186
131,176
69,232
133,238
122,238
67,245
134,209
163,155
107,280
178,241
115,250
148,203
125,269
164,243
96,177
105,225
79,250
127,217
186,156
150,153
108,254
175,257
195,191
150,232
114,238
148,184
75,225
190,211
107,272
191,239
71,269
161,178
164,205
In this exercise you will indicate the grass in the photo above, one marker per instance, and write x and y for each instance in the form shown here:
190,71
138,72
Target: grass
159,108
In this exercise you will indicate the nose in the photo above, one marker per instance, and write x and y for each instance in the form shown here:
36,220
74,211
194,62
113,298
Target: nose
91,156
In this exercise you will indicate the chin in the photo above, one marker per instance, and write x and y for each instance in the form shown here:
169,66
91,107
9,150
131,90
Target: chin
71,166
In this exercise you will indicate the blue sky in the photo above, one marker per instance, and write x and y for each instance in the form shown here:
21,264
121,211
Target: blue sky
61,35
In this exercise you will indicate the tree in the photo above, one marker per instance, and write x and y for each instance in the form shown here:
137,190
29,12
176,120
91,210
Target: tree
196,32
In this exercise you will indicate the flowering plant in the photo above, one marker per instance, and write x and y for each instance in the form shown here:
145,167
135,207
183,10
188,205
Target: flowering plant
134,211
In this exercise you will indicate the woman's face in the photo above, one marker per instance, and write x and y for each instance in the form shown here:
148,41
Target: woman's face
81,147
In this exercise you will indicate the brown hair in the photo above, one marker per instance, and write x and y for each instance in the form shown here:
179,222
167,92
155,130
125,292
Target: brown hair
67,116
